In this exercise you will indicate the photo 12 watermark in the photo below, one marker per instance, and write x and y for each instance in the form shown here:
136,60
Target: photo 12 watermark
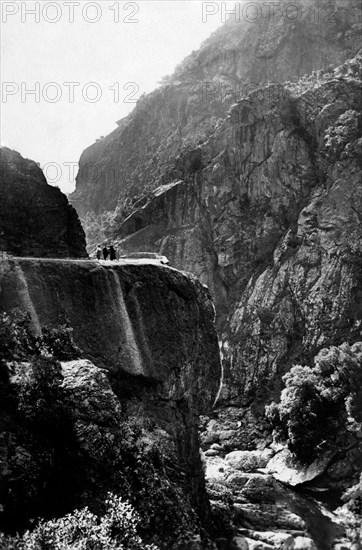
70,92
53,12
270,10
91,172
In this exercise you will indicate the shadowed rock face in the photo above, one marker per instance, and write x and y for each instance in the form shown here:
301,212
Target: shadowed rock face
152,328
271,223
270,45
144,321
36,218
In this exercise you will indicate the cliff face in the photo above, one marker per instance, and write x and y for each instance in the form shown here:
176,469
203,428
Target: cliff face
136,424
308,296
260,197
254,176
270,221
36,218
277,43
129,319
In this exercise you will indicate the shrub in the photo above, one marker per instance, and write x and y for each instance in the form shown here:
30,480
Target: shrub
317,402
41,399
117,529
17,343
344,131
58,341
16,340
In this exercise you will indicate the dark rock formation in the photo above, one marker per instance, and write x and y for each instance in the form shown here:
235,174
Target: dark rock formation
36,218
278,43
132,428
308,295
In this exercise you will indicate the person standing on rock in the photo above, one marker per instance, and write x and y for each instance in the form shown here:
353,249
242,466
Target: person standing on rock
105,252
99,252
112,253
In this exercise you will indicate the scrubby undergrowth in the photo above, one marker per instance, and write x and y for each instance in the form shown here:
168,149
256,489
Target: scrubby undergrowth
116,529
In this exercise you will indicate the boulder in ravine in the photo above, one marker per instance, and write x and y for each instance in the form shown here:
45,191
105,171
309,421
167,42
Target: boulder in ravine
36,218
287,469
248,461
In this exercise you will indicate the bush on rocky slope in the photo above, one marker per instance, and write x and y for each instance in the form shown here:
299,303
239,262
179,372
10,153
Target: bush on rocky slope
116,529
69,440
319,401
17,342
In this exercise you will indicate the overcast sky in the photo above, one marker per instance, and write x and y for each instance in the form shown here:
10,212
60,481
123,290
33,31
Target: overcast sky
74,54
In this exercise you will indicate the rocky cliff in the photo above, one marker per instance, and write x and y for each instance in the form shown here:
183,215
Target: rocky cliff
260,43
36,218
268,189
259,195
271,222
121,417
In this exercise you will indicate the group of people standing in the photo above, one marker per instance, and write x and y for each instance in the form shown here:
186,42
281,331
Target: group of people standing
108,253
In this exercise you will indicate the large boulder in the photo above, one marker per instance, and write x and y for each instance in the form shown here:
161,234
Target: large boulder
286,468
248,461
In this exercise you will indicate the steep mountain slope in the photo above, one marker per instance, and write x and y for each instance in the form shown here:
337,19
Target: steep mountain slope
271,222
36,218
256,173
272,43
260,197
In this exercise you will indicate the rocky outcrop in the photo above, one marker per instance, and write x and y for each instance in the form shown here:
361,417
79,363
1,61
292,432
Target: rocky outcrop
36,218
124,418
270,222
130,319
308,296
262,43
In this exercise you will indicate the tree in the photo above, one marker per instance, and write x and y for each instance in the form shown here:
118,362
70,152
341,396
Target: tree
320,401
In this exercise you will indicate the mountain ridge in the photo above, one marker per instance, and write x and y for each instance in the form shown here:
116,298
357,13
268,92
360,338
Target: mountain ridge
133,158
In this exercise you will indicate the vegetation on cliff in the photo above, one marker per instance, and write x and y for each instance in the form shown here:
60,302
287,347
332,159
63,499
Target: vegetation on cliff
320,404
18,343
116,529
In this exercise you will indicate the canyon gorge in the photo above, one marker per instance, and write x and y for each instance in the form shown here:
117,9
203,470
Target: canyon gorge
220,395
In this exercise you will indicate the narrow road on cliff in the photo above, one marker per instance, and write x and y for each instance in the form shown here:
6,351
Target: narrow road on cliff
83,261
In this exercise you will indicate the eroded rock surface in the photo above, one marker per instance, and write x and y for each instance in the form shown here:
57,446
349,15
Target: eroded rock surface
262,201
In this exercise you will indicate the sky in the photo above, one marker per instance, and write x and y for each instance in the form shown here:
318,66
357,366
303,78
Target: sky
71,69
